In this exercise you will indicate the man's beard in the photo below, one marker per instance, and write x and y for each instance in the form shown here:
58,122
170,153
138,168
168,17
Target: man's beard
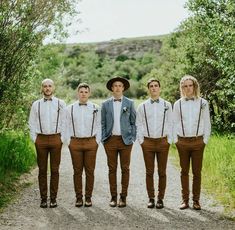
47,94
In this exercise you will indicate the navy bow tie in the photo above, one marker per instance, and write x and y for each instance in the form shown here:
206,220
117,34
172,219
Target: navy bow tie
117,100
82,104
189,99
47,99
152,101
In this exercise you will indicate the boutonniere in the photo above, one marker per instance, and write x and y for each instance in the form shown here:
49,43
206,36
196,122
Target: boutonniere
95,111
124,109
203,106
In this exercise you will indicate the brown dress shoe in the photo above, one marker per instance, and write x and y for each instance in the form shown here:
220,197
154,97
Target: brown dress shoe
184,205
113,202
159,204
122,202
88,202
43,203
196,205
79,202
151,203
53,203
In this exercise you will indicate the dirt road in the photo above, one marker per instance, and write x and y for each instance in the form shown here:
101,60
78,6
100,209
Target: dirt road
25,213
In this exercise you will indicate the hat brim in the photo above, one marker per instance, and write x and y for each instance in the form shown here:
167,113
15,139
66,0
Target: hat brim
123,80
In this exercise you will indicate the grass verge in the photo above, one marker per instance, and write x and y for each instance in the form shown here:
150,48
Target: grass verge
218,174
17,156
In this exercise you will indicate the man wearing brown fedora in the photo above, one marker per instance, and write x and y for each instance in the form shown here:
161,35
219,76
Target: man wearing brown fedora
118,117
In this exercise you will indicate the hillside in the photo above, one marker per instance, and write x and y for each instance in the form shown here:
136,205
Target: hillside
125,47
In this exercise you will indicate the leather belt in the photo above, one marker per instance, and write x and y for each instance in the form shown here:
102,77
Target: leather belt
83,138
190,138
155,139
47,135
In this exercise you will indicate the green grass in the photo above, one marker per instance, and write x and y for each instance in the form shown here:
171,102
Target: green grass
17,156
219,169
218,174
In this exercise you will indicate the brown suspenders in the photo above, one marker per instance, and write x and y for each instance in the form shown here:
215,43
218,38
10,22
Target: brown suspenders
39,117
146,121
181,117
163,122
73,121
57,120
93,120
199,118
58,114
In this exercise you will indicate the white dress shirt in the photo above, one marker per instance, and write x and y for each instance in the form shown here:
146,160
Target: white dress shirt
190,117
48,117
116,117
82,120
155,114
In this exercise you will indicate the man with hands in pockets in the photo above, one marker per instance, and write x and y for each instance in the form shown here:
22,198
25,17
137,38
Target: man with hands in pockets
83,132
46,125
192,129
154,133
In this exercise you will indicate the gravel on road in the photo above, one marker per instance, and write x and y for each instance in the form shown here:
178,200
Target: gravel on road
24,212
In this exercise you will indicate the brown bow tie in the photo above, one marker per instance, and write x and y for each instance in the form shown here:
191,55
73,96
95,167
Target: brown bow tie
152,101
189,99
82,104
117,100
47,99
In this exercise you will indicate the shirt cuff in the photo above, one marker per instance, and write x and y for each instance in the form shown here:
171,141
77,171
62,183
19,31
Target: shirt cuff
140,140
205,140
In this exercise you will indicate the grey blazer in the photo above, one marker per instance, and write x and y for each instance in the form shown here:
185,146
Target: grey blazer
127,120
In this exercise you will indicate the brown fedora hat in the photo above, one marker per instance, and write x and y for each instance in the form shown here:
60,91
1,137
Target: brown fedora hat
121,79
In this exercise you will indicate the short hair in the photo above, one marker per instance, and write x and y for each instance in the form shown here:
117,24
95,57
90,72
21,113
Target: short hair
46,80
83,85
153,80
196,87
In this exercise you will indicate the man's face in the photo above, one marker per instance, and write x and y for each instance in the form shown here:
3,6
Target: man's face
188,88
117,89
154,89
48,88
83,94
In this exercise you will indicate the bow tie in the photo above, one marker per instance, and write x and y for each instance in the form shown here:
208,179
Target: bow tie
82,104
47,99
117,100
189,99
152,101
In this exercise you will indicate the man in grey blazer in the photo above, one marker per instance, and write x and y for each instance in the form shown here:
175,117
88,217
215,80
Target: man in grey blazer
118,117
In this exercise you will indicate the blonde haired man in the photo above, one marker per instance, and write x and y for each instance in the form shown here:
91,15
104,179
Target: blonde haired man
45,122
192,129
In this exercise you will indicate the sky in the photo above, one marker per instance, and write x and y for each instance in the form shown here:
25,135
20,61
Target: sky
104,20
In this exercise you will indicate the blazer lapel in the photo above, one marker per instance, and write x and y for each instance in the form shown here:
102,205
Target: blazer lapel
124,104
110,105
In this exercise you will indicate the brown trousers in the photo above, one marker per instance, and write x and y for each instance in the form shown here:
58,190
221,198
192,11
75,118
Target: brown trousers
158,147
190,148
45,145
114,147
83,154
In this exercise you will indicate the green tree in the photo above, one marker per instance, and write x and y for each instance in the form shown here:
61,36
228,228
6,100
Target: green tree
24,25
203,46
